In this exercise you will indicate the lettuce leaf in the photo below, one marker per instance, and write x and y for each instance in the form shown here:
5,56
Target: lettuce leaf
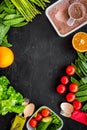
10,100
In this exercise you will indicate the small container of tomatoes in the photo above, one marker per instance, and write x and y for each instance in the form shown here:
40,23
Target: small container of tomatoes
44,119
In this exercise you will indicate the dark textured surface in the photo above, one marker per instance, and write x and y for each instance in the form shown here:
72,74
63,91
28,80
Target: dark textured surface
40,59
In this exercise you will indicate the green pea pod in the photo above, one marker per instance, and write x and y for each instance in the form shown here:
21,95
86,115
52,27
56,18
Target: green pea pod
3,30
13,21
84,108
9,4
82,99
11,16
82,56
83,87
5,42
9,10
20,24
2,5
81,93
73,80
2,15
1,20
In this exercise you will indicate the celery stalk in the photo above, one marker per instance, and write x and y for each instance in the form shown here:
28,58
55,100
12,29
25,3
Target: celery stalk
28,9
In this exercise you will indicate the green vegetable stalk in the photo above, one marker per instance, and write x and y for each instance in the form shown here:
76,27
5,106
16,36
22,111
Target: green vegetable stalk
28,9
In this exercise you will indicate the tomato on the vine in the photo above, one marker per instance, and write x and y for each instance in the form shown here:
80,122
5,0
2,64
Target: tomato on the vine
45,112
77,104
70,70
38,117
33,122
64,80
70,97
73,87
61,88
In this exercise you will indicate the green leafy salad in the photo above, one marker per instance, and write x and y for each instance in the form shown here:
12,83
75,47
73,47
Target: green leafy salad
10,100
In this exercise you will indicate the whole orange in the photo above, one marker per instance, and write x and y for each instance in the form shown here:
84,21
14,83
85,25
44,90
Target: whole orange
6,57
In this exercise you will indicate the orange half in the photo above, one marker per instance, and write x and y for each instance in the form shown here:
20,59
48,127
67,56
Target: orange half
79,41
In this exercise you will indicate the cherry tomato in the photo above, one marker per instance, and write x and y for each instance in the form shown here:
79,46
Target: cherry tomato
73,87
64,80
70,97
77,104
70,70
33,122
38,117
45,112
61,88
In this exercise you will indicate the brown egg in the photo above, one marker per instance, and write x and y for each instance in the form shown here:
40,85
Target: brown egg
29,109
66,109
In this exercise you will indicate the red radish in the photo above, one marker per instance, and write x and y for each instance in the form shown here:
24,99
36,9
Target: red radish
64,80
73,87
70,97
70,70
61,88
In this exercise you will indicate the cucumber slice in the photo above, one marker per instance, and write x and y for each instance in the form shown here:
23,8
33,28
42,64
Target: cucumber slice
44,123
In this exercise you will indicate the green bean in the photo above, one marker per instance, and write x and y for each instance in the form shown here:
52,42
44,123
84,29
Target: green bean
73,80
81,93
13,21
2,7
9,10
20,24
8,3
1,20
84,108
83,87
11,16
3,30
2,15
81,56
5,42
82,99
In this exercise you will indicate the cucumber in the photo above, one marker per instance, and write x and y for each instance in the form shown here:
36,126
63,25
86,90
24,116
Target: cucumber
44,123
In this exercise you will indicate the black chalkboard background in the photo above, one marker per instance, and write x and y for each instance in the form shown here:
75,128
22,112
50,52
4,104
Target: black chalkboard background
41,57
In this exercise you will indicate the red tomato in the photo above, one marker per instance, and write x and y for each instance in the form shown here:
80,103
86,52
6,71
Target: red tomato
77,104
70,97
45,112
33,122
61,89
70,70
73,87
38,117
64,80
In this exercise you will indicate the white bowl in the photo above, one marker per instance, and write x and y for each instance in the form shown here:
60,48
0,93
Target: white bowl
30,128
53,24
